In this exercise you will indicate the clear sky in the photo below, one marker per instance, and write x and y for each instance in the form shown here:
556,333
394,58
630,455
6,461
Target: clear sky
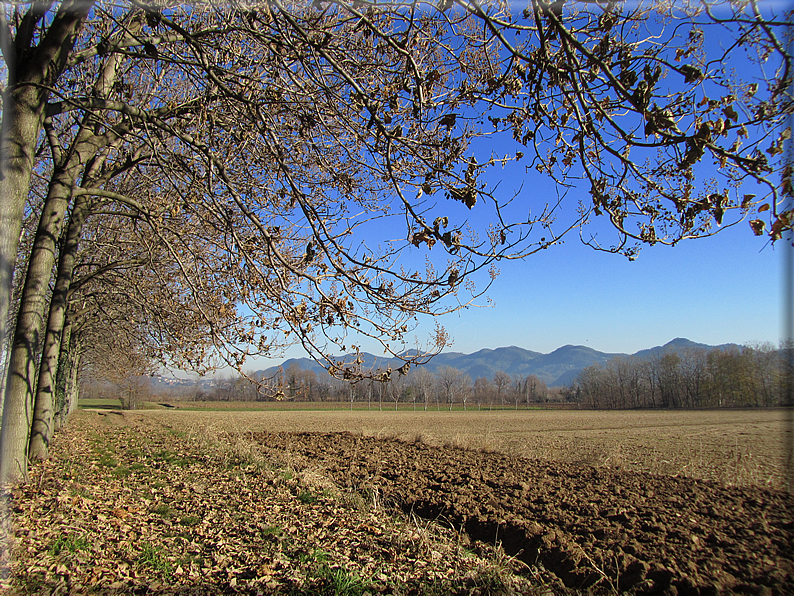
715,290
723,289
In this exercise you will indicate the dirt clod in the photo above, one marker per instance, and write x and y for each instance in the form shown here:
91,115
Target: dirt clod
592,527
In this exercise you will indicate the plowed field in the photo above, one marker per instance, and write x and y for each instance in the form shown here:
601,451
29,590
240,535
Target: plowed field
186,502
734,447
648,502
633,531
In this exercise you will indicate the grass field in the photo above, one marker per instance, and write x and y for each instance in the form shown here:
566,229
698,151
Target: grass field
737,447
291,406
180,501
99,403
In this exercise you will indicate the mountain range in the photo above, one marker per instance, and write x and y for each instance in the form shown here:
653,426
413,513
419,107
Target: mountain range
560,367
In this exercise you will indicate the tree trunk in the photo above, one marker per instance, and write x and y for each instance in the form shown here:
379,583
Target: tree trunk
84,150
29,332
22,117
30,75
60,407
73,387
66,386
42,427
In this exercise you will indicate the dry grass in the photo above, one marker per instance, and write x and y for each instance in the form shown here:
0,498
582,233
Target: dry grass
739,447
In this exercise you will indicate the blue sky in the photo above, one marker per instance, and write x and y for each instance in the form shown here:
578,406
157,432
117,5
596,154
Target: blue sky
716,290
723,289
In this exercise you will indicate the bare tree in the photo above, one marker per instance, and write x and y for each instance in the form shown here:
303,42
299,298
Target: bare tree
517,389
123,360
396,388
502,382
768,366
270,141
184,121
455,385
482,391
534,389
422,382
590,383
691,378
637,112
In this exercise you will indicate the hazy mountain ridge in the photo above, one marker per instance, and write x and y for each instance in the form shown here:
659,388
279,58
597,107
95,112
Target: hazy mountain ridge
681,343
559,367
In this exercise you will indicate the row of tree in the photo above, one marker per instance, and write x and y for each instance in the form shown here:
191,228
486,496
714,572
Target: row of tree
747,376
750,376
448,387
192,184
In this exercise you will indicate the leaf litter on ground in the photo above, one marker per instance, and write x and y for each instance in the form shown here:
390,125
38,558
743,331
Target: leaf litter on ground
127,504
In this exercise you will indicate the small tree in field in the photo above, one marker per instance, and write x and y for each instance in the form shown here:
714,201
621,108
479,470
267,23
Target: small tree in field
455,385
517,387
133,391
127,368
535,390
396,388
501,381
421,381
482,391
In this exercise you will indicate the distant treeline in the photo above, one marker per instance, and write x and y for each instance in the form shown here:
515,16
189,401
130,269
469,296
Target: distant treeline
748,376
447,388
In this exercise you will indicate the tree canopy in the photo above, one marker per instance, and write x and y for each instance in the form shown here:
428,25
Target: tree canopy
280,173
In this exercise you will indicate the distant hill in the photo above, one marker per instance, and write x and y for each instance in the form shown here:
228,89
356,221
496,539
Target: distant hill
560,367
566,362
682,344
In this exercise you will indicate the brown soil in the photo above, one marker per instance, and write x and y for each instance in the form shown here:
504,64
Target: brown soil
603,529
168,502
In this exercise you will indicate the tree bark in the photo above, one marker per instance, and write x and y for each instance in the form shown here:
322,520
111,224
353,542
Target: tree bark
21,382
60,407
43,420
22,118
68,370
31,72
21,375
29,332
